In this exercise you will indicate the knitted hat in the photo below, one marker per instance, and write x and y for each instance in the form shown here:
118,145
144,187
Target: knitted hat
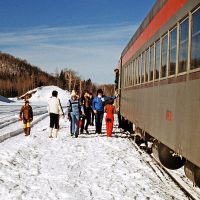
73,93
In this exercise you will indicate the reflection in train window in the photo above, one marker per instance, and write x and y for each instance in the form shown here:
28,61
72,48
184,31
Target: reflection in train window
132,73
164,56
142,68
172,51
195,55
157,60
183,52
135,73
136,70
151,63
147,66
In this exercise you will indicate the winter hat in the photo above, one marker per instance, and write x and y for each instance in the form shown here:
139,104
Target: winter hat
100,91
73,93
54,93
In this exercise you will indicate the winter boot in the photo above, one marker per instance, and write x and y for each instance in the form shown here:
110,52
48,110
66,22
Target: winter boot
25,131
28,130
50,133
56,133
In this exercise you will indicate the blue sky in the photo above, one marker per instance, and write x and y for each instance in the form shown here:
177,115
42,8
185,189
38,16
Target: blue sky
85,35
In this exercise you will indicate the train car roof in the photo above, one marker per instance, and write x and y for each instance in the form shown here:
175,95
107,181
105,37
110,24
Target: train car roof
155,9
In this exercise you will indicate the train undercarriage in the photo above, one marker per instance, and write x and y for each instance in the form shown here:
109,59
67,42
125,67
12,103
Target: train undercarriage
166,156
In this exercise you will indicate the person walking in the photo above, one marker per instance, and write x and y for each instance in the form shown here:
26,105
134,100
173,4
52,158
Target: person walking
92,115
75,109
98,104
26,114
110,110
54,109
85,102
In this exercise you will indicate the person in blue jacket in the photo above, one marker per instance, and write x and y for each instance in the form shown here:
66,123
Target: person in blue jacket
98,104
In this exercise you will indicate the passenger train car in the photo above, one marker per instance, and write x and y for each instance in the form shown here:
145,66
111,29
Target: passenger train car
158,79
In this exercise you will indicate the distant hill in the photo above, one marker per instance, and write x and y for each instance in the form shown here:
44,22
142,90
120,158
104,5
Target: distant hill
18,76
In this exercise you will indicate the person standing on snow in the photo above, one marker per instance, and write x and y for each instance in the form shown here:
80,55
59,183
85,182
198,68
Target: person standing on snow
98,104
91,110
26,114
110,110
85,102
75,109
54,109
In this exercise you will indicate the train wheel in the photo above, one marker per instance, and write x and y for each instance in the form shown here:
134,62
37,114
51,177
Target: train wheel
168,159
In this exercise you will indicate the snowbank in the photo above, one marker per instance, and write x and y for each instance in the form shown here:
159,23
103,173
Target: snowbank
41,95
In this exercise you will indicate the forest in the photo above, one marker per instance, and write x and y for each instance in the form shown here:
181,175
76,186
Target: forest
17,76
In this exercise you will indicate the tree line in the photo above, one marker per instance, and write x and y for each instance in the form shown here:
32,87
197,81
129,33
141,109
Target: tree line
17,76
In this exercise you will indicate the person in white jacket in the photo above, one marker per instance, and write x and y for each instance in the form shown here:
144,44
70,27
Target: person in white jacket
54,110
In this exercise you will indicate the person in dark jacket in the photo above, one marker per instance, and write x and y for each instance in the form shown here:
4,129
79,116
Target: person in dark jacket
91,112
98,104
26,114
85,102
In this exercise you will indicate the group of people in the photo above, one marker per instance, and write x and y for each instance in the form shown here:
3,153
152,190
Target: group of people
81,112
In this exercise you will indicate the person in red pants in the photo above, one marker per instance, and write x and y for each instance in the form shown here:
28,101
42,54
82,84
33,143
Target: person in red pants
110,110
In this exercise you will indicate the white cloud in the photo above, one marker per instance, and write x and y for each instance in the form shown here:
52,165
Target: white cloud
92,50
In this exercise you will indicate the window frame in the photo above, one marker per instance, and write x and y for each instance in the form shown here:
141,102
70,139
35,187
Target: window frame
176,65
190,41
179,43
157,79
167,56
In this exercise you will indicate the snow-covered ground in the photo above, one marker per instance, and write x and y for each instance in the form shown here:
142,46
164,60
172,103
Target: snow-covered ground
84,168
9,112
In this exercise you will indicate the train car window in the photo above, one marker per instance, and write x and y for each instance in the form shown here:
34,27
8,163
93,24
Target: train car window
136,71
151,63
125,76
124,71
142,67
183,52
172,51
132,73
129,75
195,55
157,60
164,56
147,66
139,68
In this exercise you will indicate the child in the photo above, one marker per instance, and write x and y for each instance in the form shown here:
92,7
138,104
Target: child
26,114
110,110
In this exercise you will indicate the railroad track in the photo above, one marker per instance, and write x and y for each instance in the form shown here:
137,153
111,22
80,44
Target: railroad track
18,131
180,179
